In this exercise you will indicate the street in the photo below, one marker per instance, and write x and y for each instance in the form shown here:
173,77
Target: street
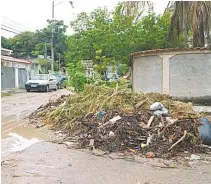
44,162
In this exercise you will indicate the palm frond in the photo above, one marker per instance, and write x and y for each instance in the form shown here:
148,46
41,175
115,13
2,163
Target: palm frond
194,16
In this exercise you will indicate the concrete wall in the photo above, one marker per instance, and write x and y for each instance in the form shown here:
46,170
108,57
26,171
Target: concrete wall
148,74
190,75
185,74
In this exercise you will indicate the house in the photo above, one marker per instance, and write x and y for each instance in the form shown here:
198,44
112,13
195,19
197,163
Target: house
14,72
8,61
181,73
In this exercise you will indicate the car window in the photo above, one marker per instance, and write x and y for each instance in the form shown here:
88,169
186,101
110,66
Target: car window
40,77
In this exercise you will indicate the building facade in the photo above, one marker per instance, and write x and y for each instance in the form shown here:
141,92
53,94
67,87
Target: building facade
14,72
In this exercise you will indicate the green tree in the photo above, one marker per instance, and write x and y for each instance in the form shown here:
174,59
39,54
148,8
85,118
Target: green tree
117,35
23,44
77,76
5,43
44,40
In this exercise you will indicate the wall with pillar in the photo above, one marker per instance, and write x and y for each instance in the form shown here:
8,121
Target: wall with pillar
185,74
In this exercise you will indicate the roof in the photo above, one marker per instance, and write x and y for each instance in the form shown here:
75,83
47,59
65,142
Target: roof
6,49
146,52
7,58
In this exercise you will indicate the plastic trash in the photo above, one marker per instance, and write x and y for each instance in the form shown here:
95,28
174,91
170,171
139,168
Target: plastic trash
159,109
100,114
205,130
161,112
111,134
156,106
194,157
114,119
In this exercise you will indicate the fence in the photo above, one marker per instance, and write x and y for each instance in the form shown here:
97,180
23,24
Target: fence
12,77
22,77
7,77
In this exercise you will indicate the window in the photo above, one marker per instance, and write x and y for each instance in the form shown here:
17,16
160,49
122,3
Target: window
40,77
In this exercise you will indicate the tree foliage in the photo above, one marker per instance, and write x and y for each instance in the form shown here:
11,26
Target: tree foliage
77,76
23,44
117,35
44,37
31,44
5,43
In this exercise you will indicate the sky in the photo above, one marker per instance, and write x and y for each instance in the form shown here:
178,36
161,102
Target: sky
22,15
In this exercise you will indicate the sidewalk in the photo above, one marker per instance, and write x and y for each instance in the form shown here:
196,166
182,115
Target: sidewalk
13,90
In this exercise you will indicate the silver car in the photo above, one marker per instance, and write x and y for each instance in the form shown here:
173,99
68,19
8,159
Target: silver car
41,82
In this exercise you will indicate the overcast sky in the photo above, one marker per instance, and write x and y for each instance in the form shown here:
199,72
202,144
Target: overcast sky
32,14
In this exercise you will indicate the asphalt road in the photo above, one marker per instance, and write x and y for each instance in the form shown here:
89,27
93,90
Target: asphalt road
48,163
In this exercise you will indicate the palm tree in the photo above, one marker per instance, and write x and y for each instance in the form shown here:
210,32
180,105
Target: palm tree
135,8
188,16
194,16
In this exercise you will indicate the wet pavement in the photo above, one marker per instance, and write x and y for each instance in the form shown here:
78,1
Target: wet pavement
28,157
15,129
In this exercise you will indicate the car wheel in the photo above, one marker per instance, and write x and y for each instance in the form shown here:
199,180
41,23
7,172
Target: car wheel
56,88
28,90
47,88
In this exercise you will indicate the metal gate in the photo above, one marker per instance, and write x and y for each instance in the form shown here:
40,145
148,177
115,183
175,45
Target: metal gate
22,77
7,77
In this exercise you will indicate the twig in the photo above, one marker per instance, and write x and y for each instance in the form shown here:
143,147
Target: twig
162,121
165,167
181,139
150,121
164,129
110,156
141,103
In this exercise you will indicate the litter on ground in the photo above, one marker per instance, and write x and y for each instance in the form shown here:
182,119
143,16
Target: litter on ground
120,120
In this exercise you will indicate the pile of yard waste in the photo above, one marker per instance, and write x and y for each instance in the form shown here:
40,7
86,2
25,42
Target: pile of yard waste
120,120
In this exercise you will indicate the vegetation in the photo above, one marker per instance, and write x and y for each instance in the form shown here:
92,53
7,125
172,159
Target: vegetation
193,16
31,44
115,36
108,37
5,94
77,77
189,19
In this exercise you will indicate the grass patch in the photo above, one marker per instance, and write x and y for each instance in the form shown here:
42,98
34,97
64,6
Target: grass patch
5,94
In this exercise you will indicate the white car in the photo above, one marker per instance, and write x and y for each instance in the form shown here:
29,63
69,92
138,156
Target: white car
41,82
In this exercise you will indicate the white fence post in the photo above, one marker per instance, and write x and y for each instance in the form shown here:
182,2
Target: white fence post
16,77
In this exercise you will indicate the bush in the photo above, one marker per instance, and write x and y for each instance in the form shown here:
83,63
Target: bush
77,77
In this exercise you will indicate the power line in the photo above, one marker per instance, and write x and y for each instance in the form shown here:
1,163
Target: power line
8,30
17,24
13,25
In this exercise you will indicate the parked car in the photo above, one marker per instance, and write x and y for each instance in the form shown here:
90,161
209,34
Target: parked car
41,82
61,81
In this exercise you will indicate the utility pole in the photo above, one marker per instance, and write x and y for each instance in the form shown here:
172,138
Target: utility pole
52,39
45,52
59,63
52,34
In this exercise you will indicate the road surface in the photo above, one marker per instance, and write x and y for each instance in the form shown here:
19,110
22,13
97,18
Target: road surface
27,156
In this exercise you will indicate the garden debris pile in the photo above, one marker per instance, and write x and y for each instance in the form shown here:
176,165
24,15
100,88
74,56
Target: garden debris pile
119,120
